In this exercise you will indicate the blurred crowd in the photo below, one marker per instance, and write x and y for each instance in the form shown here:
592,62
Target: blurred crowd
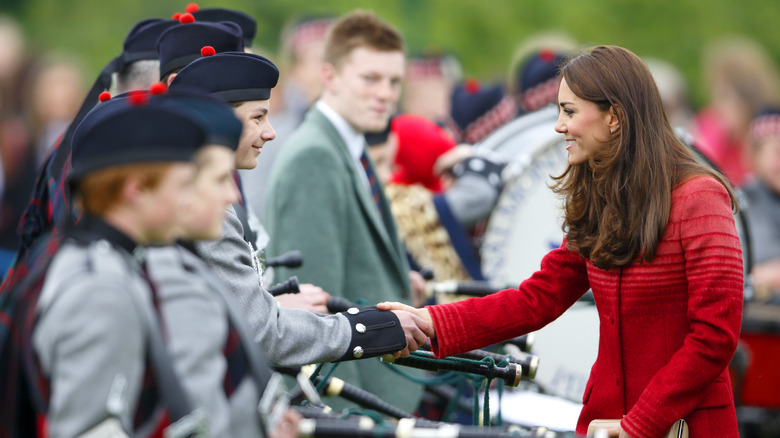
40,93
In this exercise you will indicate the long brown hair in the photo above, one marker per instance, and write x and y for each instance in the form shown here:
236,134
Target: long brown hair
616,206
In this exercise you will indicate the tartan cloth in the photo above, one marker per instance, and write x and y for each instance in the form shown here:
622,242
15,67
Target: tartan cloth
23,392
25,388
234,349
237,360
49,204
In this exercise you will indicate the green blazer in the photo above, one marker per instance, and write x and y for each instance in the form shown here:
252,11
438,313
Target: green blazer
318,203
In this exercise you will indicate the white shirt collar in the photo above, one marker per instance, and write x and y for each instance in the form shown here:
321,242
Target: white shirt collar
355,141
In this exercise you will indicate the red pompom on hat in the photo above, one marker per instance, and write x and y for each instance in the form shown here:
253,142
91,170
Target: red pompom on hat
104,96
137,98
186,18
471,85
547,55
176,16
192,8
207,51
158,88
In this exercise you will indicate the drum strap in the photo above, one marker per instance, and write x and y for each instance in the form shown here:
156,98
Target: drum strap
459,239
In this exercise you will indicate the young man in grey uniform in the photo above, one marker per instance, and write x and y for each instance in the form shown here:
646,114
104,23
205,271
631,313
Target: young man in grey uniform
212,348
289,337
95,318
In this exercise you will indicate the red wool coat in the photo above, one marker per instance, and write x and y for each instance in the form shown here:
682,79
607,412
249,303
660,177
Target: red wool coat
668,328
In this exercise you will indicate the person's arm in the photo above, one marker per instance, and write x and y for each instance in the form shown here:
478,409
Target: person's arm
479,322
310,297
196,326
90,341
713,266
293,337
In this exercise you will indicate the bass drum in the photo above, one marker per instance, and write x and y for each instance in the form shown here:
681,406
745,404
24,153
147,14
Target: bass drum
524,226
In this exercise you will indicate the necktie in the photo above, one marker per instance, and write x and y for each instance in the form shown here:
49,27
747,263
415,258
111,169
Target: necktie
372,181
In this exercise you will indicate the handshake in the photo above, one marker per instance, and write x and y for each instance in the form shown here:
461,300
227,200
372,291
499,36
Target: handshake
416,323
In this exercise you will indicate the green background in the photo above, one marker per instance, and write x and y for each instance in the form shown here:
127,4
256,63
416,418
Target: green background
482,33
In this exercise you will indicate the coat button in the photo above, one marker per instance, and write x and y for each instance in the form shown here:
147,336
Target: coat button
361,328
358,352
353,310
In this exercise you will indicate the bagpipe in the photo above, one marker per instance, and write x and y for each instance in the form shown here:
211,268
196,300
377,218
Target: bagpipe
447,378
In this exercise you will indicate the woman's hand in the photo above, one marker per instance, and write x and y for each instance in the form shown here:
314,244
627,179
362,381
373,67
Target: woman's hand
420,323
618,432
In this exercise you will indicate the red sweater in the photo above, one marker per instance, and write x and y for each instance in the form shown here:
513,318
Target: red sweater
668,328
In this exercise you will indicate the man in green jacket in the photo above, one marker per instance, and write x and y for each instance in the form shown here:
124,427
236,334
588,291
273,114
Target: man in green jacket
324,198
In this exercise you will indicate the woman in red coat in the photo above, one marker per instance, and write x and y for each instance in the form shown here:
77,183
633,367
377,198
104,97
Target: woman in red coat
652,233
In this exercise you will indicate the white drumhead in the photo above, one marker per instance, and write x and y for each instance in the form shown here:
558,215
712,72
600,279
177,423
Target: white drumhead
526,225
526,222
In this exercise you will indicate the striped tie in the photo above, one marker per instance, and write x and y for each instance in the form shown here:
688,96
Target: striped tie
372,182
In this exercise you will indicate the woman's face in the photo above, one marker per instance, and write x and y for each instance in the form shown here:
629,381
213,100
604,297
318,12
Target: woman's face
585,125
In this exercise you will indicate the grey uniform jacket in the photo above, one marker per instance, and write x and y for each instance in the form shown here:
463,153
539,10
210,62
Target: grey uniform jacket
90,337
292,337
195,317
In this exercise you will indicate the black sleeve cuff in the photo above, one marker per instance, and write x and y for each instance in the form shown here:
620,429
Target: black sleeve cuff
374,333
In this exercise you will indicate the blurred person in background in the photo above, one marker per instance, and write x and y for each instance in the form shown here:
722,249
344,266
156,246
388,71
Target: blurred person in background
54,95
17,159
741,78
763,209
303,43
674,92
533,64
434,212
533,71
476,110
430,78
411,189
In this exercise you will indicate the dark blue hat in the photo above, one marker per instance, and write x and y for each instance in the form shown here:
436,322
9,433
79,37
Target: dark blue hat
477,111
119,132
141,41
247,23
230,76
140,44
182,44
765,124
218,119
538,81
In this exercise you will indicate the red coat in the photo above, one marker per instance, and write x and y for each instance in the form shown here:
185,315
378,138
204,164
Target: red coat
668,328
